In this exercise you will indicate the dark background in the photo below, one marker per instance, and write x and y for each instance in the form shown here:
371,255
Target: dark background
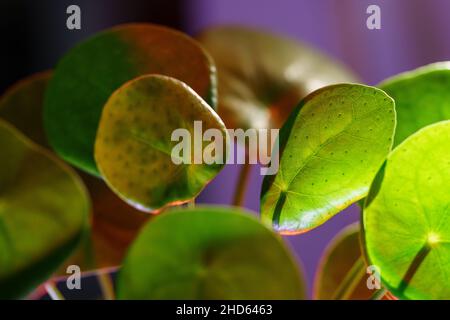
413,33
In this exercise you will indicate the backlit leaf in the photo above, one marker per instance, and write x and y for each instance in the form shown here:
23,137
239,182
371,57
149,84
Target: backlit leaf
406,216
209,253
43,213
331,148
134,142
422,97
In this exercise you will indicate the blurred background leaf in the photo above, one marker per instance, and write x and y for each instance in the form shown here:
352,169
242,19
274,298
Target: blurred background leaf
209,253
44,211
331,148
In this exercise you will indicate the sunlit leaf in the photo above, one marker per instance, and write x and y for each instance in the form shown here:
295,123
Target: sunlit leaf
22,104
262,76
134,142
331,148
86,77
405,219
43,213
208,253
422,97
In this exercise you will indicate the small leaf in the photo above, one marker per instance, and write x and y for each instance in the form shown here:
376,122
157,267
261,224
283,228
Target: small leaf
86,77
134,148
22,105
422,97
405,219
262,76
43,213
208,253
332,146
341,256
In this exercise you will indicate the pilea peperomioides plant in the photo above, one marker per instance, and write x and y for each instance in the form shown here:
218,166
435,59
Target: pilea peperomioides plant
111,108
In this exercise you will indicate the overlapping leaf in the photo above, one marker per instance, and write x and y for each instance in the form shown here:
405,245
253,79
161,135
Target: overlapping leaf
262,76
208,253
114,223
331,148
422,97
89,73
43,213
405,219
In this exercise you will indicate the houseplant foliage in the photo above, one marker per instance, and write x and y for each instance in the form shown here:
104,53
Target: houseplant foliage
44,211
409,204
262,76
134,147
234,257
330,149
114,223
422,97
110,108
89,73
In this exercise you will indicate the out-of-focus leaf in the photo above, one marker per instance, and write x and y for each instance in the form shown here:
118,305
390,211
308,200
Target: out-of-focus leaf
262,76
422,97
43,213
209,253
86,77
331,148
339,259
406,223
114,223
22,104
134,142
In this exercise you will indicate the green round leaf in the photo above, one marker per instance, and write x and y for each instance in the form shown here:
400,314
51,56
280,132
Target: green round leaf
262,76
43,213
208,253
134,142
422,97
86,77
22,105
405,219
331,148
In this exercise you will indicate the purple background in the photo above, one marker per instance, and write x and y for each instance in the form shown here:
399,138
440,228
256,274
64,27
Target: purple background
413,33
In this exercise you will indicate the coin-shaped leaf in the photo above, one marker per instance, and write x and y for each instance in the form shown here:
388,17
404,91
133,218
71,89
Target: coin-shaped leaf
209,253
340,265
331,148
134,149
22,105
262,76
422,97
43,213
86,77
405,219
